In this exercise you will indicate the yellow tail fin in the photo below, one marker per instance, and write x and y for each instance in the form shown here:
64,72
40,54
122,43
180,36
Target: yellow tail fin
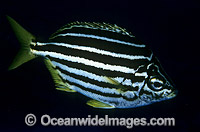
25,38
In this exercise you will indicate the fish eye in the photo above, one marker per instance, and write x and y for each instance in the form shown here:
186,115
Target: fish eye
156,83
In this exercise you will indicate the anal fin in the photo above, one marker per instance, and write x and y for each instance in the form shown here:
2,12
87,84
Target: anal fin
98,104
60,85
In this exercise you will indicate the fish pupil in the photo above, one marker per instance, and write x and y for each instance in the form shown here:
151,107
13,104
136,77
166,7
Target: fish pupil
157,84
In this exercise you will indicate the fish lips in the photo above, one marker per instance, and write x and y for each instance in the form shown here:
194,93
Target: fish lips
172,94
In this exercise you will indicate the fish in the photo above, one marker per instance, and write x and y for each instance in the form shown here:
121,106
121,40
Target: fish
102,61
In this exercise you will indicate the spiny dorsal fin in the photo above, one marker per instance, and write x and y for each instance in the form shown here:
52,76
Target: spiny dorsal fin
95,25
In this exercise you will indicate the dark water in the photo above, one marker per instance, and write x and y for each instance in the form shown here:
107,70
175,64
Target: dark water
170,28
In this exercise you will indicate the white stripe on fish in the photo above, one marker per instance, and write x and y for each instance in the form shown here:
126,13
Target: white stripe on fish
89,85
98,51
80,72
99,37
85,61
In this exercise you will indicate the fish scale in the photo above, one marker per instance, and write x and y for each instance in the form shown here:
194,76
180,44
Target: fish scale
101,61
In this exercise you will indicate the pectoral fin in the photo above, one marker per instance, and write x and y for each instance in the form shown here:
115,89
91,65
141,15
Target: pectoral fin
111,81
59,83
98,104
119,87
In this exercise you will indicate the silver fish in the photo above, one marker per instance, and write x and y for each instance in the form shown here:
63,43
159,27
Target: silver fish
101,61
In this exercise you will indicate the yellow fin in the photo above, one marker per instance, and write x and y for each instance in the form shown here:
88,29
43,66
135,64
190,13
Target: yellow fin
112,81
60,85
119,87
25,38
66,89
98,104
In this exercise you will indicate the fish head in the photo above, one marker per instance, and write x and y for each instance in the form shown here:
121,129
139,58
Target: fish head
157,85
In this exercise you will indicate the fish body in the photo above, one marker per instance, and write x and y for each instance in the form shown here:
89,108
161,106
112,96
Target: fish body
101,61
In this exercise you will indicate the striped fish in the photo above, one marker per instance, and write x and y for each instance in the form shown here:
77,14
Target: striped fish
101,61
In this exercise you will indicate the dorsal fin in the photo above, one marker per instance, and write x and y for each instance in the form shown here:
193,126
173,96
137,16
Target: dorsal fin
95,25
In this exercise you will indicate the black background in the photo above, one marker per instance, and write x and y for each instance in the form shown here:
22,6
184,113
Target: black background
169,27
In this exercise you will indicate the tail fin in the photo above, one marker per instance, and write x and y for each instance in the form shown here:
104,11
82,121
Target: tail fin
25,38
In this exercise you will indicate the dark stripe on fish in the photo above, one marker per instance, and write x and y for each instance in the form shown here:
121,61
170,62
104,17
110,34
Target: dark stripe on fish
103,33
135,79
94,82
91,69
93,56
104,45
101,93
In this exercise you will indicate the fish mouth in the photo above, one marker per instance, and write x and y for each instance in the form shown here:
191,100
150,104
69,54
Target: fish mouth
173,94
